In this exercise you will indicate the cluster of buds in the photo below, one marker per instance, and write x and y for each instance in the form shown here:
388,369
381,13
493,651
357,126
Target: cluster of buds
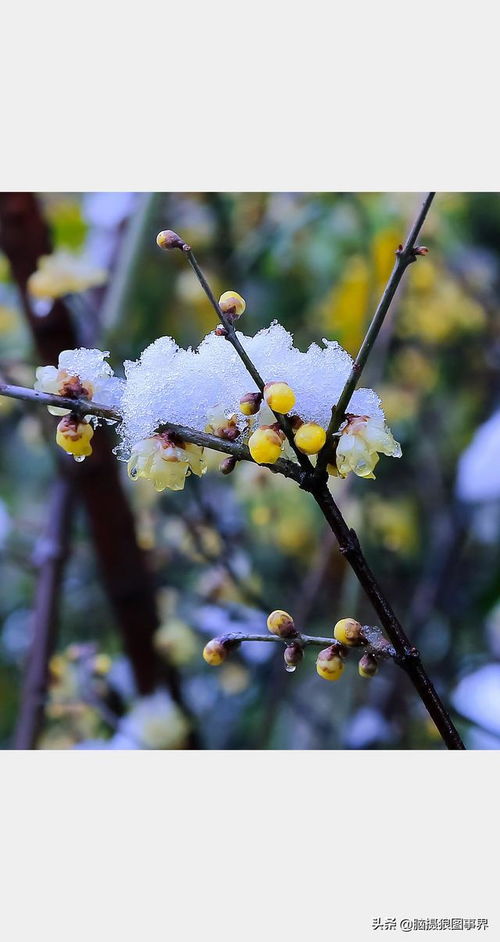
347,633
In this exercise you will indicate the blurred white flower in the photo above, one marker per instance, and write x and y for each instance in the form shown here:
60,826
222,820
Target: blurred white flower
477,697
154,722
478,474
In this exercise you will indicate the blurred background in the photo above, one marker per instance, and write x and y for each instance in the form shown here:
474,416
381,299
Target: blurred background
109,591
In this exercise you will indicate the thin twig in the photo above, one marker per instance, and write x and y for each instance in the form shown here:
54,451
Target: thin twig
232,337
379,650
405,255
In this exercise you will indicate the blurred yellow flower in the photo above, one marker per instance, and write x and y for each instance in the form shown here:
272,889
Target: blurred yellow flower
64,273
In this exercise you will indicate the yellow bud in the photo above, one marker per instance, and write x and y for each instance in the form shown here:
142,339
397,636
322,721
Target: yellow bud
329,664
279,397
281,623
215,652
73,436
368,666
348,631
232,304
265,446
168,239
310,438
250,403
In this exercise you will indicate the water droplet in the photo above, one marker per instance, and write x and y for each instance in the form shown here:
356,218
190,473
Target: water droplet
290,668
133,473
79,458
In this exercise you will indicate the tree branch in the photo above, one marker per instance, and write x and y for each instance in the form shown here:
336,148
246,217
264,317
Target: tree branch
53,551
405,255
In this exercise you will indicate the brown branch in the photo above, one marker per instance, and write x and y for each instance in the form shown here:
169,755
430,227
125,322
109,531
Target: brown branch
53,549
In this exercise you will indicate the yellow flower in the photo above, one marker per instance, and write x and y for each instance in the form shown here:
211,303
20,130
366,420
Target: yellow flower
165,461
310,438
63,273
359,443
73,436
265,445
279,397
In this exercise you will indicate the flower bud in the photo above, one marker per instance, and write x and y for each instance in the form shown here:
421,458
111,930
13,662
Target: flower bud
281,623
250,403
310,438
279,397
232,305
368,666
168,239
329,664
215,652
227,465
348,631
73,436
265,445
292,656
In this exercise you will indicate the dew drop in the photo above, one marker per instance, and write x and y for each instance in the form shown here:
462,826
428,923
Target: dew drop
133,473
290,668
79,458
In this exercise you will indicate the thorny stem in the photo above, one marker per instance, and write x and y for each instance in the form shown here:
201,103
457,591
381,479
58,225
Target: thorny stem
405,654
405,255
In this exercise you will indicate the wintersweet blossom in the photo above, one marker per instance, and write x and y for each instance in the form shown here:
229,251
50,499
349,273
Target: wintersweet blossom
63,273
360,441
165,461
80,374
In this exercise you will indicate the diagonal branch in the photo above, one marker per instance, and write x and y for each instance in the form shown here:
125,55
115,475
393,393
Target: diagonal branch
230,334
405,255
